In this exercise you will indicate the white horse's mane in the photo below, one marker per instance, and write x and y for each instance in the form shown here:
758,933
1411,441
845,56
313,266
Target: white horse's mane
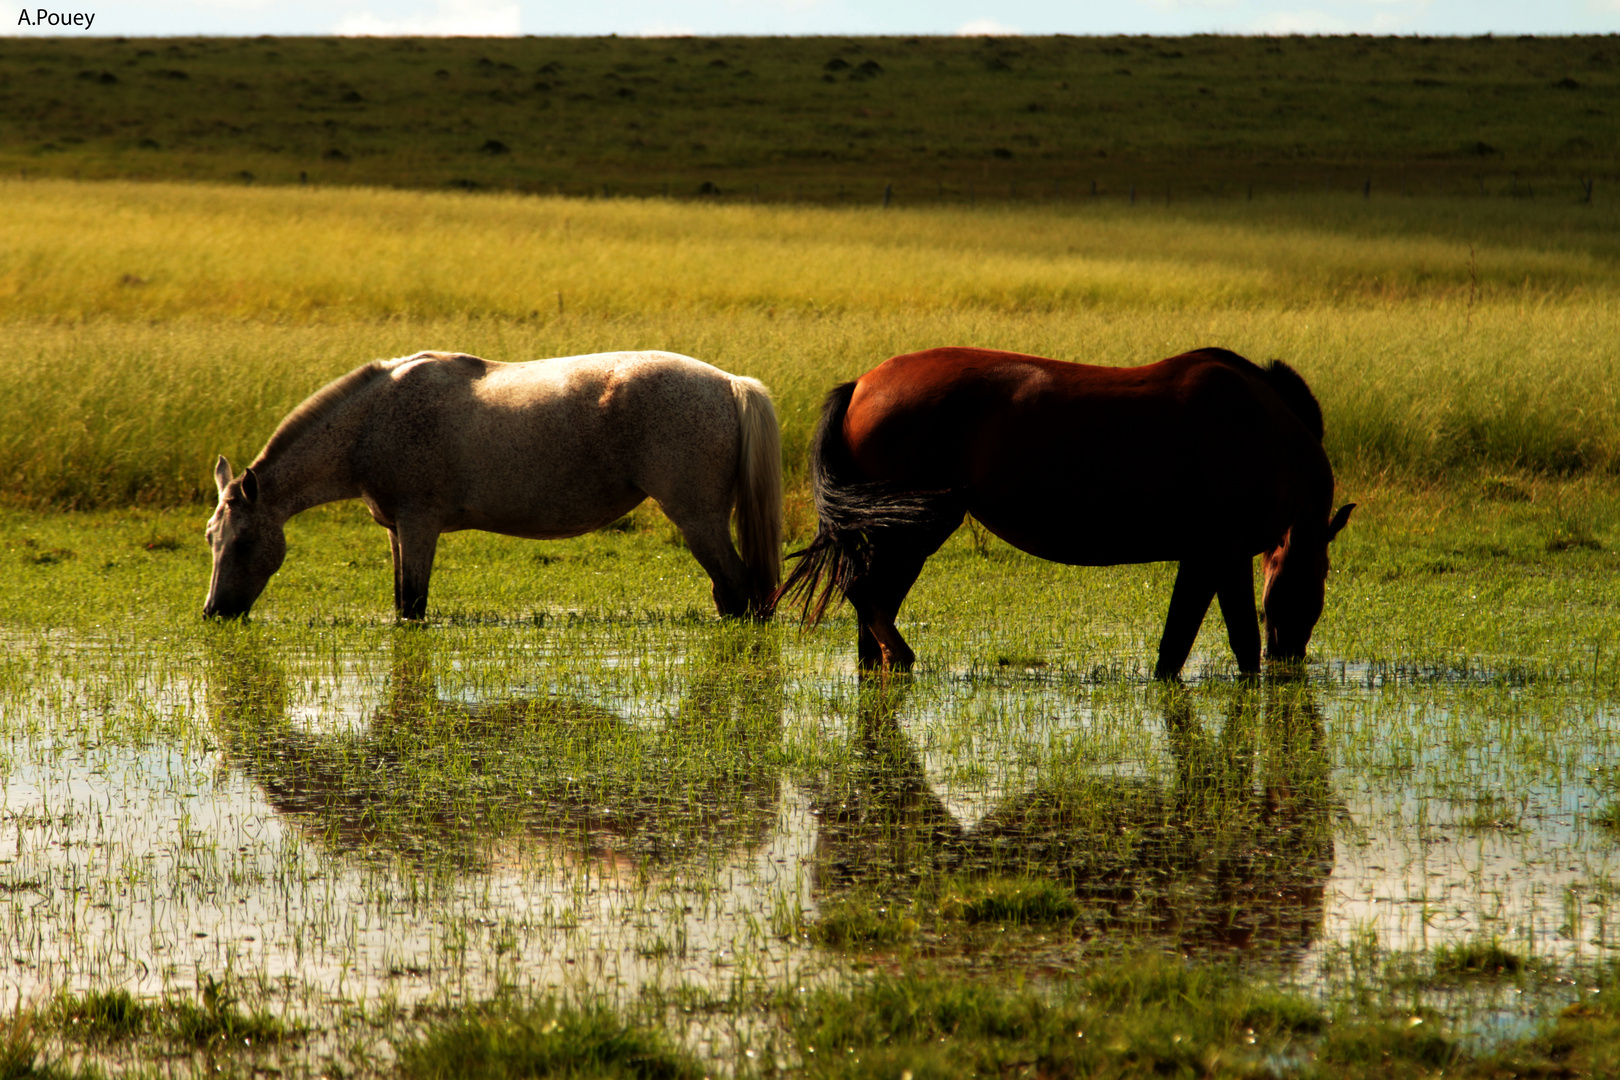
319,405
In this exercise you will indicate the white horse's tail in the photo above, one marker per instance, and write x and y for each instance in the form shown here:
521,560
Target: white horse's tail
759,490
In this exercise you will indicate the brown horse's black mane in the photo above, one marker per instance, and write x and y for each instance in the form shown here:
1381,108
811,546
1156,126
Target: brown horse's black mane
1285,382
319,405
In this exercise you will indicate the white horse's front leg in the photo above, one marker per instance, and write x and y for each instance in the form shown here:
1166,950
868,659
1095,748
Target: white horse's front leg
398,562
414,544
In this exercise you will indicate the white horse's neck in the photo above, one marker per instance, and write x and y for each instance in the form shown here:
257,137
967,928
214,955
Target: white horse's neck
294,483
312,468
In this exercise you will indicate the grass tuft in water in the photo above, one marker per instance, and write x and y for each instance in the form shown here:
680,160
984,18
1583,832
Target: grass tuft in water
1477,959
1021,901
1608,819
544,1039
100,1016
216,1022
859,921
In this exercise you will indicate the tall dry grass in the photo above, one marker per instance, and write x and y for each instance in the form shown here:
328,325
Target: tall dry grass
149,327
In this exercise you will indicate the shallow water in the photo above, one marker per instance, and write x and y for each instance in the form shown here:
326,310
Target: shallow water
399,817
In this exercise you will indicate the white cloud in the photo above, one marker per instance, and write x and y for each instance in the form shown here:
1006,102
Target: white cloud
450,18
665,30
1299,22
985,28
1178,5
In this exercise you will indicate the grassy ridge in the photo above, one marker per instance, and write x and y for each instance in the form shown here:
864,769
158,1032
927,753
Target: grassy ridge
198,316
824,118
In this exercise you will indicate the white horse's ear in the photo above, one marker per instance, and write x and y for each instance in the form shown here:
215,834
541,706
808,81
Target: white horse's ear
1339,521
222,473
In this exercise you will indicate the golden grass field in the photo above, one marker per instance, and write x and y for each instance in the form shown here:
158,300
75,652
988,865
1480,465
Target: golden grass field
151,326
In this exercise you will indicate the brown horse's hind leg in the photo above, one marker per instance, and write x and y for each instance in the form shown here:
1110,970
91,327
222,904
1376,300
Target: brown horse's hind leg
1195,588
1235,588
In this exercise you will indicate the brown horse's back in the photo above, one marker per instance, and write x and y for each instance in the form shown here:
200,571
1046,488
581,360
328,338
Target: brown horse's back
1096,465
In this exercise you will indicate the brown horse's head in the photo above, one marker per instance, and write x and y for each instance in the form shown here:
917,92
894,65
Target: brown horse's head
247,541
1296,581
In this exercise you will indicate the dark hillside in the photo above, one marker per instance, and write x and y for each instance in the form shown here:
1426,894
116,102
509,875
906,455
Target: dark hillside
825,118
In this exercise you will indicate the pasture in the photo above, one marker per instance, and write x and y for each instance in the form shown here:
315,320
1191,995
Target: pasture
574,818
831,120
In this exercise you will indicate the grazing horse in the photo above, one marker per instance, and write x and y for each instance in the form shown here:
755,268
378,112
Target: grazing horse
437,442
1205,458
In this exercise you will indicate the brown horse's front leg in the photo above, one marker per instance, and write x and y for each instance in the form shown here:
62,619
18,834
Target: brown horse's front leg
1195,588
413,566
879,646
876,597
1235,588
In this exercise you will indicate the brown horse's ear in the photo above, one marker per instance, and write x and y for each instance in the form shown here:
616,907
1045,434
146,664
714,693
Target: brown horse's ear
222,473
1339,520
250,485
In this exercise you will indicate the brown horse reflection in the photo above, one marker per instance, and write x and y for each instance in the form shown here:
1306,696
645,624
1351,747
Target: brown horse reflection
463,785
1233,848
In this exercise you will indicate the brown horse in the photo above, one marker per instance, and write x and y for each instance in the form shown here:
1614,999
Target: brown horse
1205,459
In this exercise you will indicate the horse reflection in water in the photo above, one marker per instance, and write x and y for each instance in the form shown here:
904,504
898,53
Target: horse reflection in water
472,785
1233,848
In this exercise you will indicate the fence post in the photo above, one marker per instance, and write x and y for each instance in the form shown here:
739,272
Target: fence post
888,193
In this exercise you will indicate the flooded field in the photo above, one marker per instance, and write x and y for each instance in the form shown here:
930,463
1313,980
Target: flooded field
355,828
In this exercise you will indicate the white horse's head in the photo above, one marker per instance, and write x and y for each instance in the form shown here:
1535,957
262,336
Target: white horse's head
247,542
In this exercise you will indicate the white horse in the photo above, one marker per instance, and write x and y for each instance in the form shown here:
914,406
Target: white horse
437,442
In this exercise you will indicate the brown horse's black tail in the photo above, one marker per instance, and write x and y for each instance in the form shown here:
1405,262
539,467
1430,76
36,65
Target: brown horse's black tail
849,511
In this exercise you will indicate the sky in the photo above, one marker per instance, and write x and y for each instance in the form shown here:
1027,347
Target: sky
709,17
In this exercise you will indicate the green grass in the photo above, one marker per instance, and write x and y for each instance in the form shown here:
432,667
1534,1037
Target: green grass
826,118
574,798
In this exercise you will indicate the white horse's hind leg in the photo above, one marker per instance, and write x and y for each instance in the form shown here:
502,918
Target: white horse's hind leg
710,541
414,544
